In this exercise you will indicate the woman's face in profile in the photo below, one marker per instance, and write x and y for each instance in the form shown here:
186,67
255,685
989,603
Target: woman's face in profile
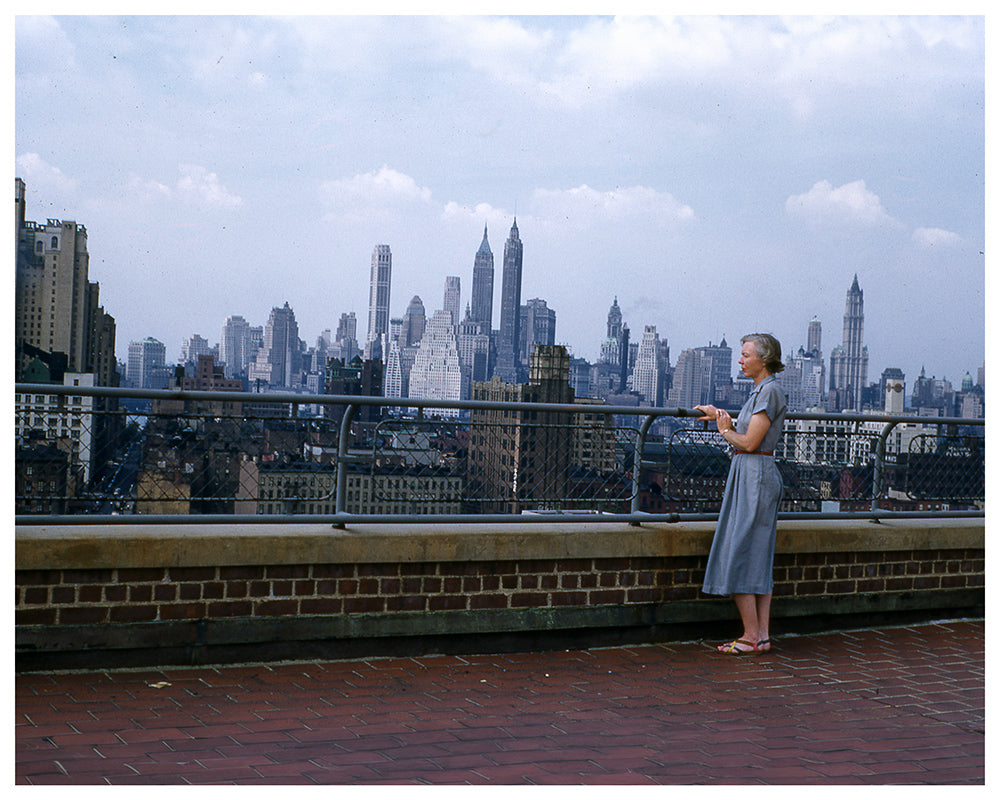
750,362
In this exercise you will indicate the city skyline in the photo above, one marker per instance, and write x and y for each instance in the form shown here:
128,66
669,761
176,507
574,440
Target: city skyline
717,175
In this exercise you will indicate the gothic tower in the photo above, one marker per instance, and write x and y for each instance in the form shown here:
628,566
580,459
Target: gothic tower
481,309
508,349
849,360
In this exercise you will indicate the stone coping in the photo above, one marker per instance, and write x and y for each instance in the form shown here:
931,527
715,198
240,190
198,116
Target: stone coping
158,545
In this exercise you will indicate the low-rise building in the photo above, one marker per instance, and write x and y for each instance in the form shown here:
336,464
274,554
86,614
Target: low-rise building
63,421
309,488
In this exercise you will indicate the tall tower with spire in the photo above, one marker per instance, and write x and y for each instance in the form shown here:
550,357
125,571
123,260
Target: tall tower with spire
849,360
615,347
481,309
611,346
508,349
614,320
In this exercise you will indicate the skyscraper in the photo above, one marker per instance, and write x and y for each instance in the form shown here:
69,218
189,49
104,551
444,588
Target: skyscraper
347,327
686,389
345,343
615,347
509,347
236,348
647,372
716,369
538,326
393,380
849,360
804,378
611,347
474,352
516,459
147,360
481,309
378,296
56,307
357,377
453,298
814,340
192,348
414,323
278,360
436,373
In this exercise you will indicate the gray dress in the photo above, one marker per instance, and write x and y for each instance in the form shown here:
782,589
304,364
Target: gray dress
742,556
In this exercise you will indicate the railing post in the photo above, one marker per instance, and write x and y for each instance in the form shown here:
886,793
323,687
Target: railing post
344,439
640,446
878,470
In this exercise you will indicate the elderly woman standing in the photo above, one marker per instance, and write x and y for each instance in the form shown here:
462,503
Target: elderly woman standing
741,560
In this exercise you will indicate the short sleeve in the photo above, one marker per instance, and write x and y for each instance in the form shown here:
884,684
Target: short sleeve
770,400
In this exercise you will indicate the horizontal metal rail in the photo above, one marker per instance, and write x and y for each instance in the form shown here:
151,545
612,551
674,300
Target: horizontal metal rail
340,520
292,398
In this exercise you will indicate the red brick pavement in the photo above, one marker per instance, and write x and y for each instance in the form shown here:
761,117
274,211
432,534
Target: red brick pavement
885,706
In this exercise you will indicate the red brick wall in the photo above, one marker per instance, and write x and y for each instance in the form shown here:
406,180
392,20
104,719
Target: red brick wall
87,597
805,574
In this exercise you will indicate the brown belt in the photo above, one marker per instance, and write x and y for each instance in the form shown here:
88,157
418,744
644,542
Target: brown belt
753,452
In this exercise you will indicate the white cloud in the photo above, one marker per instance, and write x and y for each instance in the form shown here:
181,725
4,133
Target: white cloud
806,57
935,237
145,190
373,193
584,206
501,48
195,186
598,59
43,178
826,204
226,49
482,212
205,188
628,50
42,46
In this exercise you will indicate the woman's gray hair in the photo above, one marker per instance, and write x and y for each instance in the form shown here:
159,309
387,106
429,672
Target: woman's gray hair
768,350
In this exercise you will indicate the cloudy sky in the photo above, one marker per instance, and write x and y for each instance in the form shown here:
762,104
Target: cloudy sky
718,175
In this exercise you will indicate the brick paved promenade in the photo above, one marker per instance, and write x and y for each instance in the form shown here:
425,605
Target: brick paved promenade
884,706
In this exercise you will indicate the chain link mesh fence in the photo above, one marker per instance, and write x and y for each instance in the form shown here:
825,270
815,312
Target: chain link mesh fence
99,455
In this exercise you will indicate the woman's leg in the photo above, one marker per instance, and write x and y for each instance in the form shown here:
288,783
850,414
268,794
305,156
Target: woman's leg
763,603
755,613
746,604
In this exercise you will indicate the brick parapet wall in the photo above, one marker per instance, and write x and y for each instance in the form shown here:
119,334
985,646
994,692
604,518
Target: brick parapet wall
78,597
68,582
61,597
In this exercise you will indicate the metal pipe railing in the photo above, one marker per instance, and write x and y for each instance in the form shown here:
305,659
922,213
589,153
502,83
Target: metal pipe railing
647,423
344,459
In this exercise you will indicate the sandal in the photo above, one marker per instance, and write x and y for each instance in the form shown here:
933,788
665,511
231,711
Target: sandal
764,645
733,648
